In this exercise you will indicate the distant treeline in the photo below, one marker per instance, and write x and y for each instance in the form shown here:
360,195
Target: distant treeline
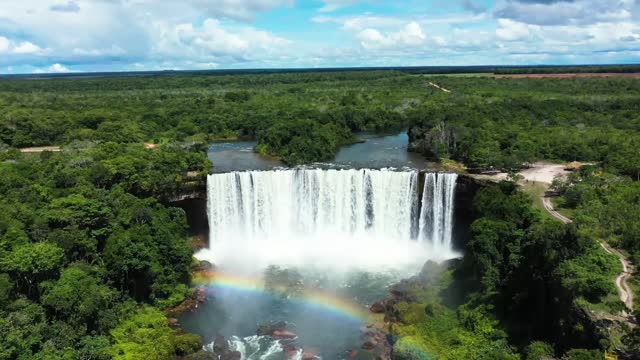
487,69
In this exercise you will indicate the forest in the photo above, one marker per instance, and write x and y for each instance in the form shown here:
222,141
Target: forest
92,253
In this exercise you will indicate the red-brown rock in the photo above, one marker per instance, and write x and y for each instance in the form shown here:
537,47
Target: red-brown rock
284,334
309,356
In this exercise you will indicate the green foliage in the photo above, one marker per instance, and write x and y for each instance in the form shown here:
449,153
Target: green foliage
590,275
185,344
303,141
506,123
24,328
440,333
144,335
78,297
61,212
529,267
539,350
582,354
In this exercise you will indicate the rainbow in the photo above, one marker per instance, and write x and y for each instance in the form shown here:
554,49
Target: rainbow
314,298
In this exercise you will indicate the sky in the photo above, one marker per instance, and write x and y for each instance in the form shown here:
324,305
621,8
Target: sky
54,36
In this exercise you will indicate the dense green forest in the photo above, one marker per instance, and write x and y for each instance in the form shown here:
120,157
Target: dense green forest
84,243
91,255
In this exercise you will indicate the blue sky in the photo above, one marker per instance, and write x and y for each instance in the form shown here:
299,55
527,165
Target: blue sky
123,35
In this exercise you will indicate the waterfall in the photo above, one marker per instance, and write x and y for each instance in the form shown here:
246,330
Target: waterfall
436,215
353,216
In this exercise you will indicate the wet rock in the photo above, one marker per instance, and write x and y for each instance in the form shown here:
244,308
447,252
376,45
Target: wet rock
198,242
368,345
222,351
220,345
291,351
270,329
197,297
205,266
377,308
284,334
201,355
309,356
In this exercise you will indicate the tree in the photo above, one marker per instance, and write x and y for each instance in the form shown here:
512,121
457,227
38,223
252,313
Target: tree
78,297
144,335
539,350
33,263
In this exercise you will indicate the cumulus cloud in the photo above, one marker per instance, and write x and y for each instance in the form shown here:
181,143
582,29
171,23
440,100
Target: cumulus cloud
55,68
409,35
212,41
4,45
136,31
11,47
510,30
26,48
158,34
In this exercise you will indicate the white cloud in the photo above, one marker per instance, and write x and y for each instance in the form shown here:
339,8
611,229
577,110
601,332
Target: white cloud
410,35
158,34
137,31
55,68
4,45
27,48
10,47
212,41
510,30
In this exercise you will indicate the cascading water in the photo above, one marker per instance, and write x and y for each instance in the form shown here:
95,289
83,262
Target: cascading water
436,215
350,217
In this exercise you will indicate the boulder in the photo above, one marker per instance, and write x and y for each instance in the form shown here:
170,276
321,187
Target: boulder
284,334
368,345
205,266
377,308
291,351
309,356
270,329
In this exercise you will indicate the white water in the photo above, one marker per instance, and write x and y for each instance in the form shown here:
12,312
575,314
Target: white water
436,215
335,218
252,347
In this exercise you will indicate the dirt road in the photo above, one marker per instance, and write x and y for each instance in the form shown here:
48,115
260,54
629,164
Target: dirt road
39,149
626,295
439,87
